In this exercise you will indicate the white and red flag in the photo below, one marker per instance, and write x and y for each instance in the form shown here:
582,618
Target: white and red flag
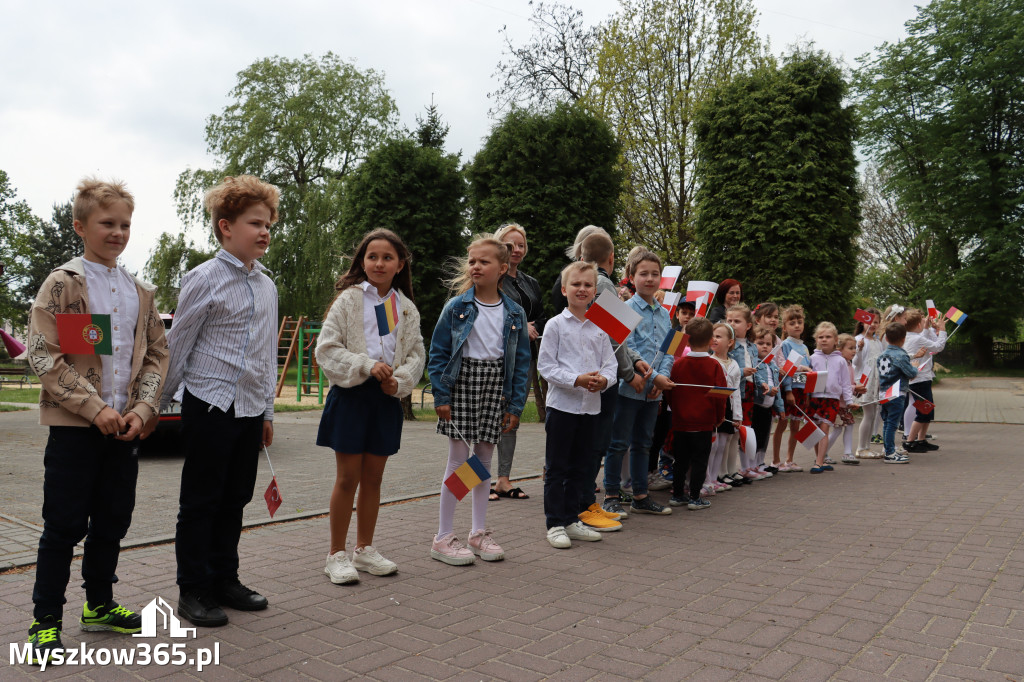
613,316
748,443
933,312
816,381
792,361
694,290
863,380
671,301
701,306
669,277
890,393
809,435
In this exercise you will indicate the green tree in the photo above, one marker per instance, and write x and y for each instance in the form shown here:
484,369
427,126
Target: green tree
168,262
52,244
778,206
943,110
303,125
16,224
410,186
550,172
657,61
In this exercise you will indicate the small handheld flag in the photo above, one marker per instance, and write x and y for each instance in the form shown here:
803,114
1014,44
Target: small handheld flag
863,380
748,443
770,358
933,312
809,435
719,391
696,289
890,393
469,475
613,316
84,334
387,315
924,406
701,306
671,301
669,276
674,343
792,361
863,316
273,493
956,315
815,381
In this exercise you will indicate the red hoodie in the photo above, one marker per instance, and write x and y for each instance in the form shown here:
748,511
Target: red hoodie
692,408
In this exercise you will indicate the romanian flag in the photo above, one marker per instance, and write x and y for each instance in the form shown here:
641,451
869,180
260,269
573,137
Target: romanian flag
720,391
613,316
469,475
815,381
933,312
891,393
671,301
674,343
387,315
863,316
809,435
669,277
924,406
694,290
84,334
956,315
792,361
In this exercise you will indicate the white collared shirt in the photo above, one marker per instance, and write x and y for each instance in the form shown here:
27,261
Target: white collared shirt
571,347
378,347
112,291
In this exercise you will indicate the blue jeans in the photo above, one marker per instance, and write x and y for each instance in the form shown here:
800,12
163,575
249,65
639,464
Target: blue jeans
892,413
632,428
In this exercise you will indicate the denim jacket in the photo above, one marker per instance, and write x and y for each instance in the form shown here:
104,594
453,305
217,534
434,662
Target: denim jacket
645,340
798,380
450,334
745,355
768,373
894,365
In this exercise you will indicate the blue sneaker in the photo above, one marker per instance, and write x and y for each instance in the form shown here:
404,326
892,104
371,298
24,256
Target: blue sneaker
696,503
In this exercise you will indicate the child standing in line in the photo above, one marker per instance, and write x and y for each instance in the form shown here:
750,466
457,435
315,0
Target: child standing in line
742,322
96,407
767,315
224,370
767,396
479,366
636,412
370,370
719,475
578,363
847,346
792,387
695,416
893,365
825,402
922,343
869,347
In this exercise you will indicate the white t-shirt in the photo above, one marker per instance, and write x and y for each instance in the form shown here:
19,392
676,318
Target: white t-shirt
484,342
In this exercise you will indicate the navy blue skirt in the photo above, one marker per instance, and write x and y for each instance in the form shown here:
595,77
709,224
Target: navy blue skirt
361,419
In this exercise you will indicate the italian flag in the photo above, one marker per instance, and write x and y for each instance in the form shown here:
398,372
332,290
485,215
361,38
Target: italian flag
84,334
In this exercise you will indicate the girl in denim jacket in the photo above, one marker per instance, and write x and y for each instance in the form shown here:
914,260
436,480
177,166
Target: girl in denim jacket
478,366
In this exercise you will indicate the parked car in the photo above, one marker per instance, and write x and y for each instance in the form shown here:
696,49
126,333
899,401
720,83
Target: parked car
168,427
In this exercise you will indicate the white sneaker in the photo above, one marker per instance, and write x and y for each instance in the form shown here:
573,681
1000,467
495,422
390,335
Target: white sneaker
340,569
558,538
577,531
369,560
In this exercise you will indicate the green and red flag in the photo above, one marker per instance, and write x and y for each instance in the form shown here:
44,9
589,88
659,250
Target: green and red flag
84,334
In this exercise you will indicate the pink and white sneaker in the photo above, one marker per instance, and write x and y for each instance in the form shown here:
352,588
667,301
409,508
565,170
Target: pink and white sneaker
451,551
707,491
483,545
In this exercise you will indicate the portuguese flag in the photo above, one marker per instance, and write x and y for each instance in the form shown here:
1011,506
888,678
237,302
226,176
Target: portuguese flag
84,334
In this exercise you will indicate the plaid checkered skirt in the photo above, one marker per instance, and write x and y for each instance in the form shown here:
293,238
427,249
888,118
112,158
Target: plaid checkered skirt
476,402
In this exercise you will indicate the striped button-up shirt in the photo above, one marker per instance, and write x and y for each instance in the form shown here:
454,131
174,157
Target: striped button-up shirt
222,342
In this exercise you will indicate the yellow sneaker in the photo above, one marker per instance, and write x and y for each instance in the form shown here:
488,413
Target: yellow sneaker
596,508
598,522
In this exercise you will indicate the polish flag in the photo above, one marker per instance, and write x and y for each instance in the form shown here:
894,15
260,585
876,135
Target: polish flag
863,380
816,381
748,443
694,290
809,435
771,355
933,312
669,277
702,305
890,394
792,361
613,316
671,301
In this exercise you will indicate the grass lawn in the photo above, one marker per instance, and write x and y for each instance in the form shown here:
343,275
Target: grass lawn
960,372
19,395
428,414
13,408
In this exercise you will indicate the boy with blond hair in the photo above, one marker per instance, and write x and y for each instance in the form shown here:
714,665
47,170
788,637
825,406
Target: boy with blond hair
97,407
223,369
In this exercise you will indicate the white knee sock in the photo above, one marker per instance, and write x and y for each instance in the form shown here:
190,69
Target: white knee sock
457,454
482,490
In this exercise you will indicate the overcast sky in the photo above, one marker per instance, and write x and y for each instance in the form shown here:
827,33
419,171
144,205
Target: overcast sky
123,89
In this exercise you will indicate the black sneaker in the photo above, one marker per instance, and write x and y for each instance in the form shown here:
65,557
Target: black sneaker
914,446
111,617
648,506
678,501
44,636
928,447
614,505
199,608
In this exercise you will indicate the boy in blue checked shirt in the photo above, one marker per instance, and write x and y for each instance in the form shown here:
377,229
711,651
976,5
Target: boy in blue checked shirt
223,356
893,365
636,412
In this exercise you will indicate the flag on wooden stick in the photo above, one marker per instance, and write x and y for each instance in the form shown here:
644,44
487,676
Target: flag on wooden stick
613,316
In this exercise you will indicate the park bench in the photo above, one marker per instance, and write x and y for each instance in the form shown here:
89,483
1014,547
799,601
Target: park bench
9,375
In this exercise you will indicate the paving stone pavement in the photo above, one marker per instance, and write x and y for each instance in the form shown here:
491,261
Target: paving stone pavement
873,572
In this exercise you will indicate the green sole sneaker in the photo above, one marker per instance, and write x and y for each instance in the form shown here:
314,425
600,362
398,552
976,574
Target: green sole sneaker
111,617
45,639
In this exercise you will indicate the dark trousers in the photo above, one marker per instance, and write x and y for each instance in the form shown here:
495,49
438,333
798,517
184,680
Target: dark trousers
602,439
568,451
661,429
217,480
88,491
761,420
691,450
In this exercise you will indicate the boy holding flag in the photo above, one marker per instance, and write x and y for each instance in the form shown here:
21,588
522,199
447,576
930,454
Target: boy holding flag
97,343
893,367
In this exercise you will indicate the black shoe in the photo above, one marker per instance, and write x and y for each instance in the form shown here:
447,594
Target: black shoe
199,608
928,447
914,446
238,596
44,636
771,469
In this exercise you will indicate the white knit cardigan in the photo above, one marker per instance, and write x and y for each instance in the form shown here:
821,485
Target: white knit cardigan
341,346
